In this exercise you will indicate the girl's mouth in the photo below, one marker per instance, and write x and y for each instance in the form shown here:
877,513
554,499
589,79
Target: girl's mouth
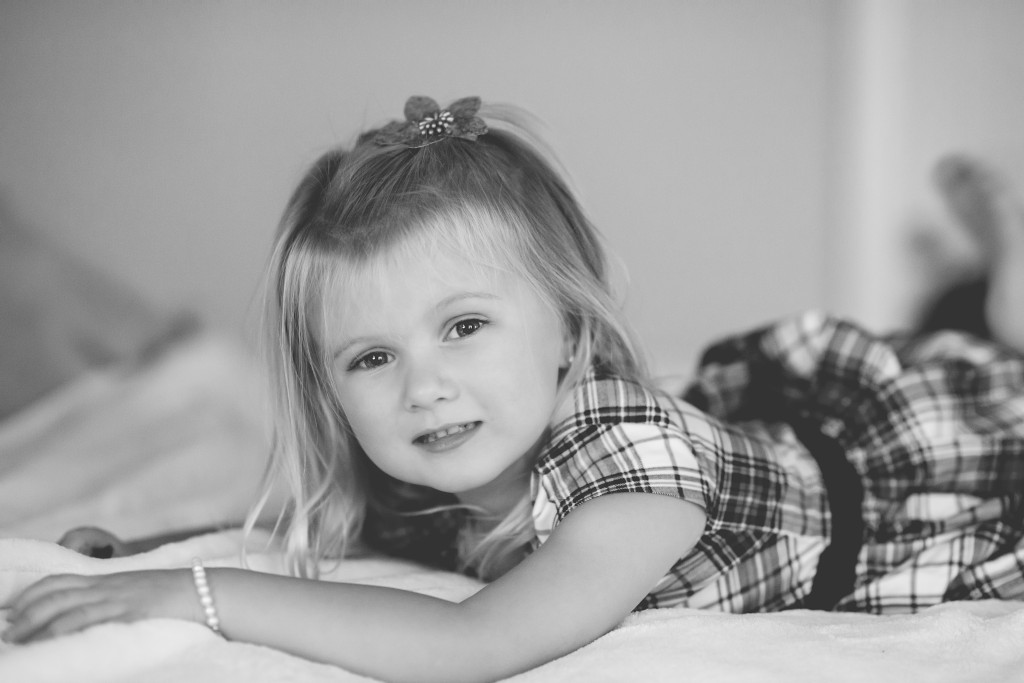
447,437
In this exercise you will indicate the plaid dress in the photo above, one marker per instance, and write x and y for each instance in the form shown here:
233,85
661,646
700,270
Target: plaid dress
890,467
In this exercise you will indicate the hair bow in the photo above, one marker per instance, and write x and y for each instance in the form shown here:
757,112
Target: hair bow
426,123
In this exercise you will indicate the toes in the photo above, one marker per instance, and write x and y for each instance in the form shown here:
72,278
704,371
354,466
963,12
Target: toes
980,200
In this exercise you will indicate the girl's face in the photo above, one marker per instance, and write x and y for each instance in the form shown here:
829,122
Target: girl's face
447,371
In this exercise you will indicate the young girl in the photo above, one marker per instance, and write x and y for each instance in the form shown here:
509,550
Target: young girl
454,385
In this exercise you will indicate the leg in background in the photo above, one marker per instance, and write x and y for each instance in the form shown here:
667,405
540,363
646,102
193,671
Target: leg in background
984,204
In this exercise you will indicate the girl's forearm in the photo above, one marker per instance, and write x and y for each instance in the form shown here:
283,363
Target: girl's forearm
381,632
597,565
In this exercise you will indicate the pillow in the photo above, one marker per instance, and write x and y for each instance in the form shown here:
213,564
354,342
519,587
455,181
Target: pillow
60,317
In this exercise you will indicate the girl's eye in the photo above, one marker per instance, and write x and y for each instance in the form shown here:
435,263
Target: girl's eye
371,360
466,327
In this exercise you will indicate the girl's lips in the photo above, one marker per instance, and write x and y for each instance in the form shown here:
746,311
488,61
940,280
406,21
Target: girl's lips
447,438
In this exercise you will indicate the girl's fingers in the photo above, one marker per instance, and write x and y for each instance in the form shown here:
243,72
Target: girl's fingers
72,617
30,616
66,603
44,587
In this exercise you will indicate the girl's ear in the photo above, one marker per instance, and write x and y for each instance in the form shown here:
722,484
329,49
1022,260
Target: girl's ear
568,348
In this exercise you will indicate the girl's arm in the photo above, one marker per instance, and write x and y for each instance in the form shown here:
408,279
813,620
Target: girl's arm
597,565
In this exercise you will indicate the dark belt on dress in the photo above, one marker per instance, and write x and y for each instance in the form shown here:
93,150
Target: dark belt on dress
837,565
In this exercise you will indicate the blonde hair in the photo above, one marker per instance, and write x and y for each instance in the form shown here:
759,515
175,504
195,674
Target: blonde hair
500,199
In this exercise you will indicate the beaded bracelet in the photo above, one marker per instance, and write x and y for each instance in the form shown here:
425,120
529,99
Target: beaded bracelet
205,597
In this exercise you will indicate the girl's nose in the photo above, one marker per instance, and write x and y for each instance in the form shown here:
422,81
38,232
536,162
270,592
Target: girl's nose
427,382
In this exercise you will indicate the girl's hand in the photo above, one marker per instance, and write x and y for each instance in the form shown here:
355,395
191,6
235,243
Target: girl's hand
67,603
94,542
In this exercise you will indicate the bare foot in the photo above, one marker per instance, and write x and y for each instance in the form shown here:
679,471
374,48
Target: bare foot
985,206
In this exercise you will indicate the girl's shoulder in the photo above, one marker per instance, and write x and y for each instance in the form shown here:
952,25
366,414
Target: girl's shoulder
604,400
617,435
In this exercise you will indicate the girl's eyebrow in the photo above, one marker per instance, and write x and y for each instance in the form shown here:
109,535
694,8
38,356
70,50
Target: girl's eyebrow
447,301
454,298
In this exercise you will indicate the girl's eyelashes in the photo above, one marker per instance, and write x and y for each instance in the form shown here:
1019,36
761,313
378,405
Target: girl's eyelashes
370,360
465,328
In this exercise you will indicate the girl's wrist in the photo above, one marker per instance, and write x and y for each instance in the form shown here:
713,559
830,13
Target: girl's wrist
203,596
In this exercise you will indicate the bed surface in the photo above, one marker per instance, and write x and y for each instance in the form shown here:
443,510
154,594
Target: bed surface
180,441
979,641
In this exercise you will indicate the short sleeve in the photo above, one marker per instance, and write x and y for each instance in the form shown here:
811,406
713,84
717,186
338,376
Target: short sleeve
622,457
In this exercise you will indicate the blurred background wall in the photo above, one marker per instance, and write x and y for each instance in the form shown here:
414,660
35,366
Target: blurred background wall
746,159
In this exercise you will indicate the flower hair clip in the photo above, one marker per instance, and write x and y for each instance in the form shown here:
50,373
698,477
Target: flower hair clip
426,123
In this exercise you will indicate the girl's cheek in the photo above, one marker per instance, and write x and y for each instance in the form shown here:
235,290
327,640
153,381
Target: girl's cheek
366,417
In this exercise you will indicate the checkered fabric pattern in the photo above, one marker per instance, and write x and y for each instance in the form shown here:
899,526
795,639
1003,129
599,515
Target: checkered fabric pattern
766,503
934,427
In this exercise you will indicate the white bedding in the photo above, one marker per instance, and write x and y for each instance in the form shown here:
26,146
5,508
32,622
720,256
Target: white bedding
181,442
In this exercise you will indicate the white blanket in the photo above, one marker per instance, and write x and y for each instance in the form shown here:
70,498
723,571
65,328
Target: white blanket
982,641
181,442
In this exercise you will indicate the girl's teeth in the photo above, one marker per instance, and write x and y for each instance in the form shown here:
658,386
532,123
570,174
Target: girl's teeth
447,432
